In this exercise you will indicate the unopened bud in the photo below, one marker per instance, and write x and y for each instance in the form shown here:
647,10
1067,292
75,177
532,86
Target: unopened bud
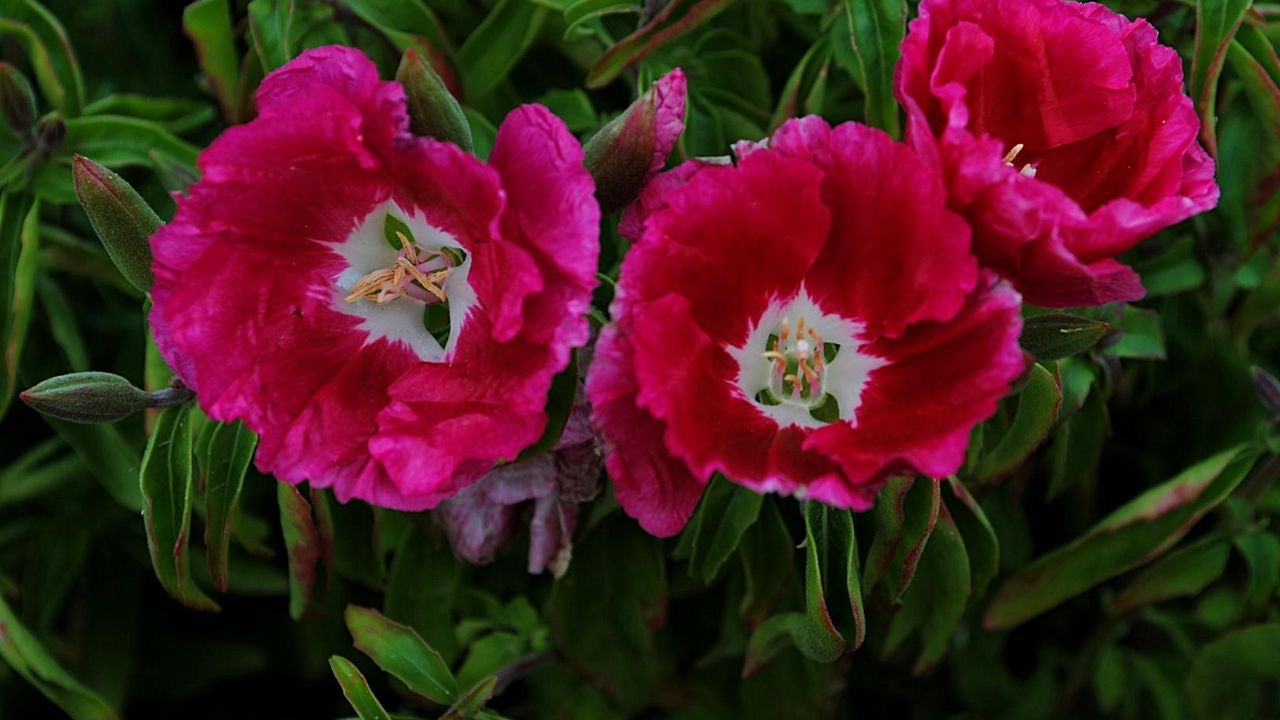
17,102
123,220
90,397
635,145
433,111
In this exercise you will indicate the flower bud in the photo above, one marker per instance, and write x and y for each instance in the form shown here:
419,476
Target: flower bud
123,220
628,151
87,397
433,111
17,102
1268,389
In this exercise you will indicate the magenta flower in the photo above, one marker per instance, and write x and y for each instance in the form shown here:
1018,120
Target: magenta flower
1065,134
384,310
809,321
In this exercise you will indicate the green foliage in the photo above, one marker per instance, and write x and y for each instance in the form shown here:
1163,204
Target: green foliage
1108,550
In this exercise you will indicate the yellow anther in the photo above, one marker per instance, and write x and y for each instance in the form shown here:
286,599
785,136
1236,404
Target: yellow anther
1013,153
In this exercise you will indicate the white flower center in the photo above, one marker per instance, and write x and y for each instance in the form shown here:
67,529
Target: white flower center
801,366
407,281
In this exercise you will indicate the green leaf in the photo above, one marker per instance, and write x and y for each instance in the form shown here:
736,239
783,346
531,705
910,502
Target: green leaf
400,651
1226,678
1216,24
19,255
806,85
876,29
1261,553
224,459
905,514
813,632
724,514
1186,571
1054,336
121,218
302,542
581,11
494,48
270,28
1141,335
407,24
208,24
490,654
422,588
603,612
110,458
356,689
1038,405
980,540
1077,445
767,553
1134,534
473,700
936,600
178,115
573,107
24,653
675,19
56,70
433,111
167,488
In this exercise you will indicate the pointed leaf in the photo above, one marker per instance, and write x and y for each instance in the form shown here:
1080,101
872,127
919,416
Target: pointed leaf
1132,535
356,689
1216,23
167,489
725,513
224,460
19,256
876,29
494,48
1186,571
400,651
675,19
208,24
936,600
980,540
1038,405
24,653
303,545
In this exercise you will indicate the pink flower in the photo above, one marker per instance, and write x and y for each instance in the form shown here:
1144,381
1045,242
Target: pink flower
385,311
809,321
1065,135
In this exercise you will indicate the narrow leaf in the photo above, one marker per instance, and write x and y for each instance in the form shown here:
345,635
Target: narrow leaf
1216,24
675,19
302,542
208,24
494,48
167,489
1038,405
1132,535
400,651
24,653
356,689
224,460
876,29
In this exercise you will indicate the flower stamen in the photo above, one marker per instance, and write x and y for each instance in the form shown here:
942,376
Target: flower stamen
412,265
1027,170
